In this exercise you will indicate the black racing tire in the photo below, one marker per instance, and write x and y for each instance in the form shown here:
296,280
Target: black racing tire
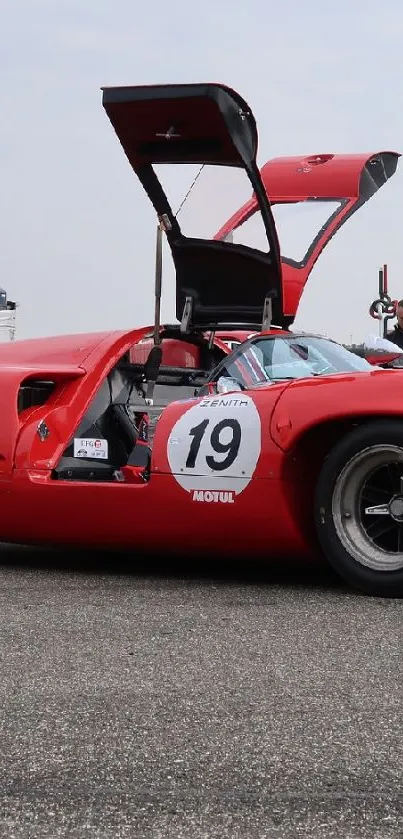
358,470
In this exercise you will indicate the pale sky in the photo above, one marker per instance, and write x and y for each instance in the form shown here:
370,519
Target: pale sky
78,232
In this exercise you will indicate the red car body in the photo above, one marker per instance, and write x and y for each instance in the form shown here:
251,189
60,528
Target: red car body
228,472
341,182
335,181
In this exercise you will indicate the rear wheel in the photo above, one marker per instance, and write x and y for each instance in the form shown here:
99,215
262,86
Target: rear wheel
359,508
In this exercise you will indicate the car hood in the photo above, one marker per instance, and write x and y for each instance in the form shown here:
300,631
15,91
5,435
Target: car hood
315,195
207,124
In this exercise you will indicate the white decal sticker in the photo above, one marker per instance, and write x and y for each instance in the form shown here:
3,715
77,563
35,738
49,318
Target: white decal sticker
94,448
214,447
209,495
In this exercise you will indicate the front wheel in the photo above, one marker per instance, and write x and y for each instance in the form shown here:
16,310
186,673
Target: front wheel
359,508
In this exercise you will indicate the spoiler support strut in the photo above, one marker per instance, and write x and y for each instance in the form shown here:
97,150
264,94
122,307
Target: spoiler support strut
267,314
163,225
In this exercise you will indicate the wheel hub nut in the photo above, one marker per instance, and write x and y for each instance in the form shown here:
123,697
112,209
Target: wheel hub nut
396,508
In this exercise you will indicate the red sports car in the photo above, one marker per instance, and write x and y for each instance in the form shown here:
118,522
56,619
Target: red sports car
289,446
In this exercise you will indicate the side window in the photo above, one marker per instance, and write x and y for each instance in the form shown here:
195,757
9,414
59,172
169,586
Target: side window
248,368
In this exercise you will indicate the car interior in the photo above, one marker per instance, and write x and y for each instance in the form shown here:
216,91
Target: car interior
139,387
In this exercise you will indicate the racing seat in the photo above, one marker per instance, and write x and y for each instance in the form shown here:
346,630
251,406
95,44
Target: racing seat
128,430
97,422
130,419
138,450
177,360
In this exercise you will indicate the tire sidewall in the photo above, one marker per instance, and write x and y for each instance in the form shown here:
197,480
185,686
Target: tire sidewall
369,581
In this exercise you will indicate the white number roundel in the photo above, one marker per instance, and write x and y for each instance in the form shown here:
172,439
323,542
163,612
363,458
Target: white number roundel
216,444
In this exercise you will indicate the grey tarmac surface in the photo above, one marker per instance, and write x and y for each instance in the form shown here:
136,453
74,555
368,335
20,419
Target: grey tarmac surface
148,703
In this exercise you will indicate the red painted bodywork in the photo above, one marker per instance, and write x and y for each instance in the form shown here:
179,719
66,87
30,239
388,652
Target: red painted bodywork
292,179
381,358
271,517
38,509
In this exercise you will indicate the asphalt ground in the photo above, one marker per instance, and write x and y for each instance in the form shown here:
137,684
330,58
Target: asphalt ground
158,703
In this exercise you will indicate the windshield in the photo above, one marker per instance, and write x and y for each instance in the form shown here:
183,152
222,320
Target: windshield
271,359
